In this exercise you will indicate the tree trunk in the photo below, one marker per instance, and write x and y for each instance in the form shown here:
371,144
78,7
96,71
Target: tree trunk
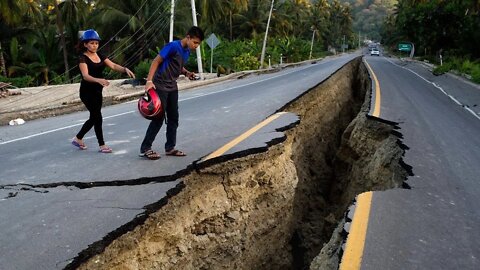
2,62
62,40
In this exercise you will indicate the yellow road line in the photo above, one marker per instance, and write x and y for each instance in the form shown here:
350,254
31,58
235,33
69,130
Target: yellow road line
242,137
376,110
352,258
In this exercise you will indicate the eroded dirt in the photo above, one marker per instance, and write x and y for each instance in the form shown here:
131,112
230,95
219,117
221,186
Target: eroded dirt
277,209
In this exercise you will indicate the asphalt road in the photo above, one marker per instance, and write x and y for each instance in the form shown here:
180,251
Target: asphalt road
44,227
435,224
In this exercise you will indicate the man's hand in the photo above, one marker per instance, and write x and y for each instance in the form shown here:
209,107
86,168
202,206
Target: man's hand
149,85
191,75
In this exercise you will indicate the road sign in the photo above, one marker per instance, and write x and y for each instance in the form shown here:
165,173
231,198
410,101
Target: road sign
404,47
212,41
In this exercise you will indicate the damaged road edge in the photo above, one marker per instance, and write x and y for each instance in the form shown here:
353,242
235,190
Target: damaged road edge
274,209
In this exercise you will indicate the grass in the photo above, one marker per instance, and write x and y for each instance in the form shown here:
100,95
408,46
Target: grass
465,66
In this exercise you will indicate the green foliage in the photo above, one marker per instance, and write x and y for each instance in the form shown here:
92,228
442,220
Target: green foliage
460,65
439,70
141,70
132,33
111,74
62,78
20,82
369,16
292,49
437,26
245,61
475,73
226,51
467,67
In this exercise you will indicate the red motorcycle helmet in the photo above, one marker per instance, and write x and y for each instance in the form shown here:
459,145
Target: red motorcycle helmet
150,105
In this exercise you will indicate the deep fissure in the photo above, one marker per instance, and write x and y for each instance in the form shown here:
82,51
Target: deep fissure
279,208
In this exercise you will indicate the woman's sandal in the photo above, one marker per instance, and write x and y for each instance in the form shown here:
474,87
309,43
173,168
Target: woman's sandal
105,149
150,154
175,153
81,146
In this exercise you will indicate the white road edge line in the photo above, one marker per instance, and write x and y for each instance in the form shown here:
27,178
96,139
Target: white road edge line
58,129
440,88
120,114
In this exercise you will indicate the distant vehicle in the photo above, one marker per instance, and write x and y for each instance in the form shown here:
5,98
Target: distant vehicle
375,51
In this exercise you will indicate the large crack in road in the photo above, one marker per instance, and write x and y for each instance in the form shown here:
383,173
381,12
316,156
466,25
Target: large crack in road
271,210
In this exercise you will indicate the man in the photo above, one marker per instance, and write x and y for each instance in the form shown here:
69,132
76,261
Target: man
164,71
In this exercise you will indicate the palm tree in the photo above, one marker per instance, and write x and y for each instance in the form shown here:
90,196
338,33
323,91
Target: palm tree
234,7
3,67
63,43
320,17
38,57
135,24
12,12
253,21
216,14
340,23
211,12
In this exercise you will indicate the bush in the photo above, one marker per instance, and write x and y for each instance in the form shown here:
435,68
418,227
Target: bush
227,50
476,74
20,82
59,78
141,70
111,74
245,62
467,67
439,70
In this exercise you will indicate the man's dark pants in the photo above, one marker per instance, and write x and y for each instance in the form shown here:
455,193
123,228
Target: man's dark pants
170,105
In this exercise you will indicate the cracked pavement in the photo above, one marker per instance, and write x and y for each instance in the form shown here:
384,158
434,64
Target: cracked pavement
61,204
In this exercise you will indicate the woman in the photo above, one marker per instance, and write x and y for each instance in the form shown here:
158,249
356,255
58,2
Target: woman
91,66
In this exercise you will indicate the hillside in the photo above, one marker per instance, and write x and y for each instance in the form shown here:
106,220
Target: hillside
368,15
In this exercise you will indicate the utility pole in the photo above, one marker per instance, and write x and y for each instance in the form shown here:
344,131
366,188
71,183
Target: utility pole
359,37
311,46
199,54
172,11
262,57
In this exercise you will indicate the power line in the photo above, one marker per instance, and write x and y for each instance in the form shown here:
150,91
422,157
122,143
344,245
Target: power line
114,36
116,51
156,29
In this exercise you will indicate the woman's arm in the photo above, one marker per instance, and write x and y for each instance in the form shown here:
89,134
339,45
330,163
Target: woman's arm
119,68
84,70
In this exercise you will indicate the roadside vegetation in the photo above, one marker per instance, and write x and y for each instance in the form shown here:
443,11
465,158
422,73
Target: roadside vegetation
446,33
37,45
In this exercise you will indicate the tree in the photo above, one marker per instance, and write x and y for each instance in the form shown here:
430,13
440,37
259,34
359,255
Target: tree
38,57
234,7
438,25
340,24
12,12
63,43
135,28
252,22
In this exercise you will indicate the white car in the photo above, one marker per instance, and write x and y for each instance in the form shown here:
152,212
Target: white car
375,51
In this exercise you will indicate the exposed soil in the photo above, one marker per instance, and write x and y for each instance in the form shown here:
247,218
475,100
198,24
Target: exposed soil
277,209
